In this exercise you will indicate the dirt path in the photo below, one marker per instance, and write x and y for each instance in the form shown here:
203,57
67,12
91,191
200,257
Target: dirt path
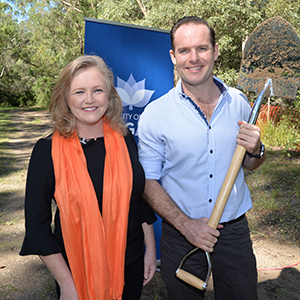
26,278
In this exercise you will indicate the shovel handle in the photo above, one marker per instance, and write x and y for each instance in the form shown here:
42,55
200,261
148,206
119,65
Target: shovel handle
237,160
225,191
227,185
190,279
217,212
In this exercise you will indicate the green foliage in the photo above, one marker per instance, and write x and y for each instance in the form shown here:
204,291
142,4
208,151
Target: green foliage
296,103
229,76
38,38
284,134
15,84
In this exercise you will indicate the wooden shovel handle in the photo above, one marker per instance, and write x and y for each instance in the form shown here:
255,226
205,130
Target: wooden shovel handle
237,160
226,188
190,279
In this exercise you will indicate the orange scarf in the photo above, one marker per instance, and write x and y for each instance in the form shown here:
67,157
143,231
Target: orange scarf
95,244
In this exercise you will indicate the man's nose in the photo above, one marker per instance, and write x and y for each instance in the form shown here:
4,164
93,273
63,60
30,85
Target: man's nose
194,55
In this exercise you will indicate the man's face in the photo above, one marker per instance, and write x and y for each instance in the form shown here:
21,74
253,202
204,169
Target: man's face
193,54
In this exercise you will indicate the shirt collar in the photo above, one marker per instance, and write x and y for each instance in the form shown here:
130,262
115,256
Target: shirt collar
220,84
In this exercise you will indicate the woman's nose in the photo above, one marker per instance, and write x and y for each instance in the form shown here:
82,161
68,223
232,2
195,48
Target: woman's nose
89,98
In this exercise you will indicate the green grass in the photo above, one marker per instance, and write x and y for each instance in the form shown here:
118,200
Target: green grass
36,121
286,295
6,130
285,133
274,188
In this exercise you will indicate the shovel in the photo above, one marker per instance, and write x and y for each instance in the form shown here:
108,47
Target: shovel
270,67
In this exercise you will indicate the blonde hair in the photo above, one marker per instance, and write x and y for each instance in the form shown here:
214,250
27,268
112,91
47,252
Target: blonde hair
62,118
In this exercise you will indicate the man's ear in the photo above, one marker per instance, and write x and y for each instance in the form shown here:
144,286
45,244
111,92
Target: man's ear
172,55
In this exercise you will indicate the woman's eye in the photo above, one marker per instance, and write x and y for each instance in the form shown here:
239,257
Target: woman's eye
79,92
98,90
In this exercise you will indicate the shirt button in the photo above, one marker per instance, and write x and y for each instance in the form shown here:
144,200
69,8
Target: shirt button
210,200
211,175
211,151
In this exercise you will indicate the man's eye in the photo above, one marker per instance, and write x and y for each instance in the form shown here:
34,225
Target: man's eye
183,51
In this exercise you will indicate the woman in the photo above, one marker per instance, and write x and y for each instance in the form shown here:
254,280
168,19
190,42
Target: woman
89,166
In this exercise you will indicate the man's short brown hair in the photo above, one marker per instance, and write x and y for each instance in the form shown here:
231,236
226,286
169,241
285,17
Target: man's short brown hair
192,20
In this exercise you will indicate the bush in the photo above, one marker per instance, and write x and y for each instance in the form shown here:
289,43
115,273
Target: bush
283,133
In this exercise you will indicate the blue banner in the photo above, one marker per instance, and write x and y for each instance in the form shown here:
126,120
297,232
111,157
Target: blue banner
139,58
140,61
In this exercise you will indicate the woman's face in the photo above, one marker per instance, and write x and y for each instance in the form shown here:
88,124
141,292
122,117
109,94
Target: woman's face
88,100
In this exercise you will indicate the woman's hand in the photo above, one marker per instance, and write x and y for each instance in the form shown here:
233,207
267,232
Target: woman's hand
150,264
68,293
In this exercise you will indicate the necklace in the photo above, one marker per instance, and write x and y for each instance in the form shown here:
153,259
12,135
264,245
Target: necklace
84,141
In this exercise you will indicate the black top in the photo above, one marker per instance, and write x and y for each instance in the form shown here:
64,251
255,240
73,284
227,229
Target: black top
40,239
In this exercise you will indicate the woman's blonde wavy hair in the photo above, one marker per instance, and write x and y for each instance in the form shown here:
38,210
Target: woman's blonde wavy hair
62,118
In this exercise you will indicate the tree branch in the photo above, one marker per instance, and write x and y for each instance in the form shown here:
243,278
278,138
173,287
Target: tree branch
71,6
142,8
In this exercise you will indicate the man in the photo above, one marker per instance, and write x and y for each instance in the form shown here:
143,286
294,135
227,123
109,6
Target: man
186,140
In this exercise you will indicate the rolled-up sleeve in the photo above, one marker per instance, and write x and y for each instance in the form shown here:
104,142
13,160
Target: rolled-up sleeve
150,146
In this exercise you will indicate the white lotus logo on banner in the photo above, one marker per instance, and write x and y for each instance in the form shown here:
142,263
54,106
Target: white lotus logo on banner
133,93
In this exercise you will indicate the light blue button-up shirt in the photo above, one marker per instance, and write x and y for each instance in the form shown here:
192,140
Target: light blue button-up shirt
191,156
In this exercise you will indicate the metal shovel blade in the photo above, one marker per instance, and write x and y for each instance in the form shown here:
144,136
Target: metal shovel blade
272,51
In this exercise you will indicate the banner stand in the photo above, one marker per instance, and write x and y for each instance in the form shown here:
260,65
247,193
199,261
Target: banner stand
139,59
